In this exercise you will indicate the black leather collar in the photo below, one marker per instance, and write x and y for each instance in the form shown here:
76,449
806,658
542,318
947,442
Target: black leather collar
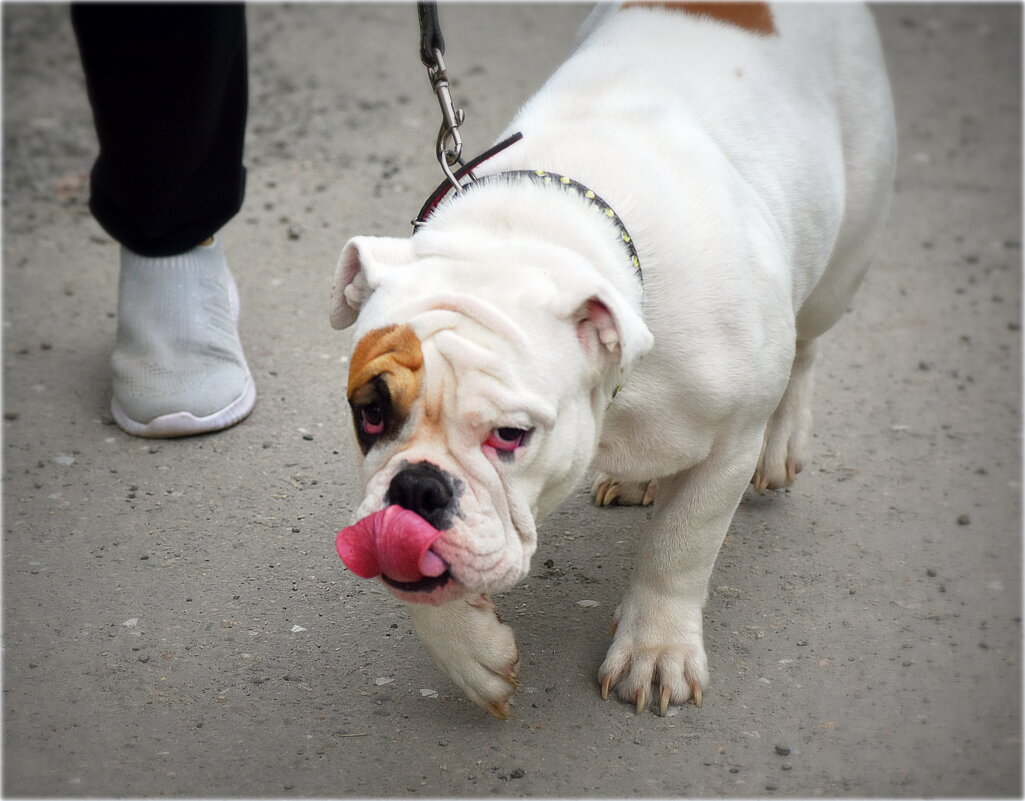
536,176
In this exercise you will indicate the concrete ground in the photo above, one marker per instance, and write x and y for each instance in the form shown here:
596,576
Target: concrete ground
176,622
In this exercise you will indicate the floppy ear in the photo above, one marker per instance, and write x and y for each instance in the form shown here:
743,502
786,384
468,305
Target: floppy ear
612,329
363,261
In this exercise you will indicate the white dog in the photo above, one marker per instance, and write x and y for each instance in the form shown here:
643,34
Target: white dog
728,170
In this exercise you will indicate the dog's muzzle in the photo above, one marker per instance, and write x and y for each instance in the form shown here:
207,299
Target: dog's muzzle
424,489
395,543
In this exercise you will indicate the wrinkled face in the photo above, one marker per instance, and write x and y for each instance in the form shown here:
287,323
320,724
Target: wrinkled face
477,385
452,430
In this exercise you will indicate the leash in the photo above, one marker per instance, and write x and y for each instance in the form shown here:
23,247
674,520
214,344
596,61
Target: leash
449,146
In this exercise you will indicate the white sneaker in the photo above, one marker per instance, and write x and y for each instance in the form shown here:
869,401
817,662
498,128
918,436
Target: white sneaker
178,367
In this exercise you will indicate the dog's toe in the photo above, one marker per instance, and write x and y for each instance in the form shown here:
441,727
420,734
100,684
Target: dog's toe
774,476
678,671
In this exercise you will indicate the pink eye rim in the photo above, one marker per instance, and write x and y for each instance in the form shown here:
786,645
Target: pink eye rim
371,420
506,439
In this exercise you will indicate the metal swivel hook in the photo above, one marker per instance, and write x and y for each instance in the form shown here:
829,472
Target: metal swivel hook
449,147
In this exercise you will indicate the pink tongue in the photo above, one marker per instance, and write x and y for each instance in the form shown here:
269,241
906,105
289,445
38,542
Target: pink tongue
393,541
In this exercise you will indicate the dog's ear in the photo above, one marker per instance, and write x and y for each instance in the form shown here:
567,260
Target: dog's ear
609,326
363,261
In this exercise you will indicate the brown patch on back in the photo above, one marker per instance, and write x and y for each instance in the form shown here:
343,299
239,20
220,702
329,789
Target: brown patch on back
394,354
756,17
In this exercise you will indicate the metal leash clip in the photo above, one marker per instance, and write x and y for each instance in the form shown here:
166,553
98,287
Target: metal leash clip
432,49
449,147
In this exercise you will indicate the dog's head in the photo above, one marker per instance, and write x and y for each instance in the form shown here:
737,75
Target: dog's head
477,384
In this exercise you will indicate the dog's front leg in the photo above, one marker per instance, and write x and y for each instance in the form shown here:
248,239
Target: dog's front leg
658,631
477,651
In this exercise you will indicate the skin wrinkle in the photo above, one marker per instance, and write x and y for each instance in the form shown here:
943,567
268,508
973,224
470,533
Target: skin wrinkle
513,514
499,546
426,375
428,428
492,560
489,565
526,536
464,306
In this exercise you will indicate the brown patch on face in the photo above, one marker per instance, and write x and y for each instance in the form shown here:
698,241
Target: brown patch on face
756,17
395,351
385,370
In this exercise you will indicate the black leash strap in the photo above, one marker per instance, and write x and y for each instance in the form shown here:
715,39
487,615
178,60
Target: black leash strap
430,33
449,146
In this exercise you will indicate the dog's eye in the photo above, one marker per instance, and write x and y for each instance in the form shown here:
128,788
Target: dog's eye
371,419
506,439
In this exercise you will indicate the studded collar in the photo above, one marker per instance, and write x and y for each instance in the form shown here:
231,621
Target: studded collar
541,177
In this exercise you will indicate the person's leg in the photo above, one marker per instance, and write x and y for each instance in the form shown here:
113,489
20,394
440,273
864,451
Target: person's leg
168,88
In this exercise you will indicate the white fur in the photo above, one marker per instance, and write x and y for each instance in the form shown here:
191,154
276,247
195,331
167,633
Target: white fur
754,174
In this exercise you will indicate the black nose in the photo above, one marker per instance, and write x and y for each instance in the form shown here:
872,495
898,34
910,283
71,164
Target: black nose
424,489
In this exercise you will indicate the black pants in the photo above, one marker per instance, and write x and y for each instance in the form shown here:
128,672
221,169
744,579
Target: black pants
168,86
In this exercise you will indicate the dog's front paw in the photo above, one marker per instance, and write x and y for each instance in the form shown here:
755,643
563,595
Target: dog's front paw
657,653
607,492
476,650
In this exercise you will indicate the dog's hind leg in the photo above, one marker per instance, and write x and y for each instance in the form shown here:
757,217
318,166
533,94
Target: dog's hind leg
785,449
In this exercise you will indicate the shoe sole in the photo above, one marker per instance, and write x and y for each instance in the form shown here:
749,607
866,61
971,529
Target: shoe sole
186,424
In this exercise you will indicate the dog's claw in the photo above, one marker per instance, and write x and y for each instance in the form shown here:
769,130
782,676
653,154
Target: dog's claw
606,682
608,492
481,601
510,674
761,482
695,690
500,709
663,704
793,468
641,697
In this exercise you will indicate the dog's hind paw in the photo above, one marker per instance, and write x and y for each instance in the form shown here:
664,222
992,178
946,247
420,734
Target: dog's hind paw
775,476
607,492
785,447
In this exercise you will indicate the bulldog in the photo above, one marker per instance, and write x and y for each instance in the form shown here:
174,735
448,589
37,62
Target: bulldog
635,286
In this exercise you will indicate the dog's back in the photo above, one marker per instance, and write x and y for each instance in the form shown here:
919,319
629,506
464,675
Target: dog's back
790,100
